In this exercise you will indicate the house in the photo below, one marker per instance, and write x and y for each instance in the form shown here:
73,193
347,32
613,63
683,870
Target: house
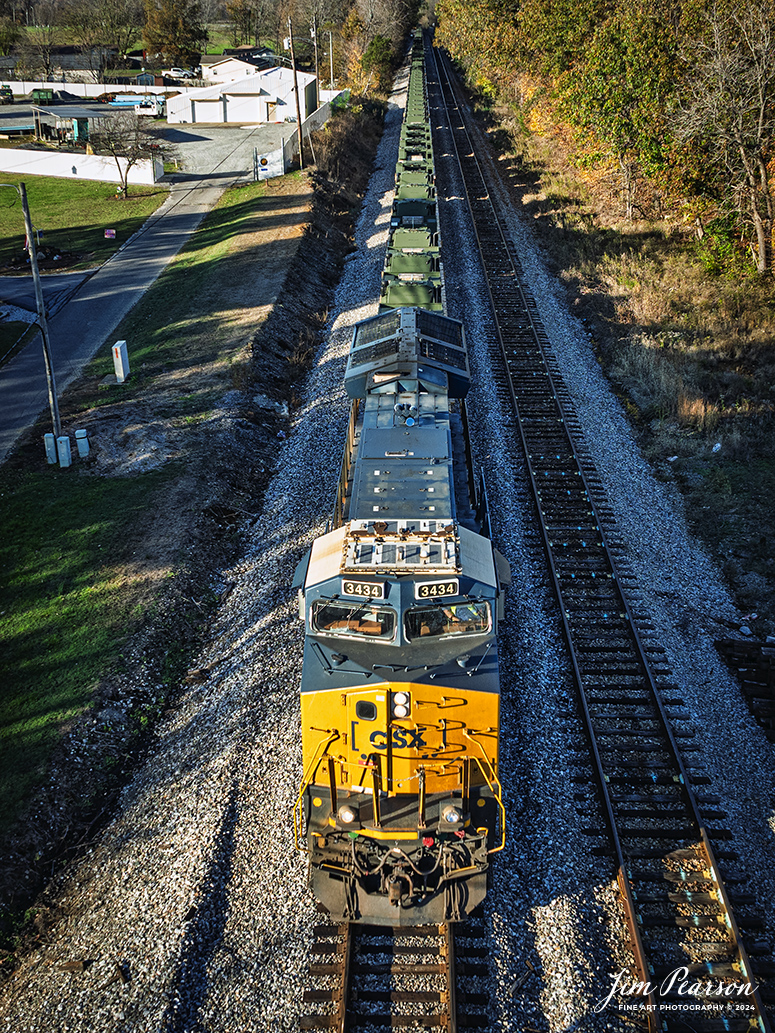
265,96
228,69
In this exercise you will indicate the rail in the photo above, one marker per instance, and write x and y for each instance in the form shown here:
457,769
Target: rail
671,884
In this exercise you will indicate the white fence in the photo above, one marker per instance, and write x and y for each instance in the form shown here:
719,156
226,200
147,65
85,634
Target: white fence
77,166
92,89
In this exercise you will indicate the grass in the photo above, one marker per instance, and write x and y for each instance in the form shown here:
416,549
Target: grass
11,334
66,604
160,327
73,216
65,612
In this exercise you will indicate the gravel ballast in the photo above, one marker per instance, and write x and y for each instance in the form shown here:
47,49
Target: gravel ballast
191,908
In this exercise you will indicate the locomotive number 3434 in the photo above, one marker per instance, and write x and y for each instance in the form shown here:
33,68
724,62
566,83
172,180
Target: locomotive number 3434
369,589
434,589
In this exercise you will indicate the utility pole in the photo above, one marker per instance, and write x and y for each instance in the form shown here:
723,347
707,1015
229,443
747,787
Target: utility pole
52,390
314,31
296,92
331,58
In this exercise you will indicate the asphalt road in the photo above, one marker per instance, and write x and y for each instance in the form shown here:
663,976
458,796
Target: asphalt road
57,288
212,157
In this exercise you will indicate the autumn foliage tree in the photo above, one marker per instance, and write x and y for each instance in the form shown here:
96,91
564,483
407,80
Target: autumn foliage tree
676,94
620,89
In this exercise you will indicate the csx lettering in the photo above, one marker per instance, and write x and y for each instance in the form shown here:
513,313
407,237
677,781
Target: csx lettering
400,739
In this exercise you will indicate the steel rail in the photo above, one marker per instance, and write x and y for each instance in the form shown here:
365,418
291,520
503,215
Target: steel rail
539,407
411,969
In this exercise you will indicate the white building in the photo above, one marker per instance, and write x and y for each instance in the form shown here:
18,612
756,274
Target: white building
229,69
266,96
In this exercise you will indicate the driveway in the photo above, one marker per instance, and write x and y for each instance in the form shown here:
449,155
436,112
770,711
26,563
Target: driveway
212,157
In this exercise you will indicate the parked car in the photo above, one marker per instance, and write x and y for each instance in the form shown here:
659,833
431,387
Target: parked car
6,95
177,73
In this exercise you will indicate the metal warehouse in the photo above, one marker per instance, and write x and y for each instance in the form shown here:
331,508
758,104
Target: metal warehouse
265,97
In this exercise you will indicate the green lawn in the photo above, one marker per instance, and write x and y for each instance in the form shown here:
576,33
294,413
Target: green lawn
73,216
63,617
11,334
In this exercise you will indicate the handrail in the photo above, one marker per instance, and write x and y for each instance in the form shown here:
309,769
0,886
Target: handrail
347,461
297,807
494,785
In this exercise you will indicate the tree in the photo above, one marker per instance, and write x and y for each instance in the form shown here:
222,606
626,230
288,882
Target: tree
174,30
83,21
729,105
240,14
619,90
121,22
37,51
127,137
377,61
9,35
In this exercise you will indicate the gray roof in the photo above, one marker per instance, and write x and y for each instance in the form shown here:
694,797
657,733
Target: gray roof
72,111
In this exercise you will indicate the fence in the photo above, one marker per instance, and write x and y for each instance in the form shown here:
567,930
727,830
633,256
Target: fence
21,87
290,147
77,166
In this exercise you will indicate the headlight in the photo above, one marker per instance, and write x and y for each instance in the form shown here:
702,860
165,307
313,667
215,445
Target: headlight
346,815
401,704
451,815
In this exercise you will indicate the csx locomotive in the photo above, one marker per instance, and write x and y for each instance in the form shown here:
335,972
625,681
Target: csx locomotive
400,804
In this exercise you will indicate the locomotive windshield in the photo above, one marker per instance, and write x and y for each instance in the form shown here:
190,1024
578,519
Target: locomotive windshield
471,618
338,618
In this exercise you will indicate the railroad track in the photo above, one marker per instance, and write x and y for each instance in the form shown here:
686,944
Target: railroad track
384,977
649,810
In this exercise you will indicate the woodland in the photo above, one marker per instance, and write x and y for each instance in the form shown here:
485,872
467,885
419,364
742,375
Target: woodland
678,93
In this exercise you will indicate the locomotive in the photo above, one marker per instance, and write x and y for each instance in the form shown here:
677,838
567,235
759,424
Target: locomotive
400,805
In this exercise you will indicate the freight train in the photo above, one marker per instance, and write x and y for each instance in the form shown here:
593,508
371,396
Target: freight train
400,806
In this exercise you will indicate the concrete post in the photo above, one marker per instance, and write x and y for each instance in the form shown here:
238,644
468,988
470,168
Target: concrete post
120,361
63,448
82,441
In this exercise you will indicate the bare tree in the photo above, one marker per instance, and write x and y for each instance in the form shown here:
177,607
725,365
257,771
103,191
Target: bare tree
37,51
731,107
85,30
127,137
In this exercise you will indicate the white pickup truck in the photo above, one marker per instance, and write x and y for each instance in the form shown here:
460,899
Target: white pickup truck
153,105
178,73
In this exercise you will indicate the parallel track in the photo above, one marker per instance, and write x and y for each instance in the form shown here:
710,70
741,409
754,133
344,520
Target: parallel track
395,977
678,910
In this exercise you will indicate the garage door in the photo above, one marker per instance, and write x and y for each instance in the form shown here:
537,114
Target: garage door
210,110
245,108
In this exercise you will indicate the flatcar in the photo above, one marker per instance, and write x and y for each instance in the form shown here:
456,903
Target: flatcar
400,806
